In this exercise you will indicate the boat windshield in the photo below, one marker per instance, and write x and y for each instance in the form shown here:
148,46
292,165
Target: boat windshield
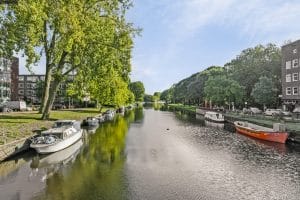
61,124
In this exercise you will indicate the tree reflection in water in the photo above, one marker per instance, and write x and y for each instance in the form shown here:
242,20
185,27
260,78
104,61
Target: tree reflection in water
97,173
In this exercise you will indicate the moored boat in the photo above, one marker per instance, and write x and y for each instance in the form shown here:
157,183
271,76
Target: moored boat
109,115
63,134
90,121
277,134
214,117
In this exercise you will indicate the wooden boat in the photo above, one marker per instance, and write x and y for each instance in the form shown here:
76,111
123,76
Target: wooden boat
214,117
260,132
63,134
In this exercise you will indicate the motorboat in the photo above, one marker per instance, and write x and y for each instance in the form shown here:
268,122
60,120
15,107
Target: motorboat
90,121
277,134
214,117
63,134
109,115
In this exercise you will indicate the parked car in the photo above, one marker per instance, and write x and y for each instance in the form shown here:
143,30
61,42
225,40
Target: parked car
273,112
15,105
254,110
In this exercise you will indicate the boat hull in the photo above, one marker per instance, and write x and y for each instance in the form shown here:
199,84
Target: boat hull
50,148
279,137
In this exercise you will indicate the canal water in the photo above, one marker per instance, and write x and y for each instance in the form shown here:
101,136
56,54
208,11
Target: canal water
152,154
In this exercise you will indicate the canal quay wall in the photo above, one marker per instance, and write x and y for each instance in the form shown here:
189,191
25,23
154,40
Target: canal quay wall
293,127
13,148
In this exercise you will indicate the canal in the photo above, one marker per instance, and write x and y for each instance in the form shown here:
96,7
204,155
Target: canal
152,154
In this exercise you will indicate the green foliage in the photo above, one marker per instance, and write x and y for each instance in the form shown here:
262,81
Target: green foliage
89,37
253,63
156,96
264,91
221,90
40,86
137,88
148,98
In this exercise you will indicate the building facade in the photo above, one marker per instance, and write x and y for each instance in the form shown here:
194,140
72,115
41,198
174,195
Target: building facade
30,89
291,74
9,70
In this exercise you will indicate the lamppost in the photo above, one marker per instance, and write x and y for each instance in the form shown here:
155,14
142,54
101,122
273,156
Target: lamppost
245,104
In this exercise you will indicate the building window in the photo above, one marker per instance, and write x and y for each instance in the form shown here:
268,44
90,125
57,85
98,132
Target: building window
288,91
21,78
21,85
288,65
295,51
295,63
295,76
295,91
288,78
21,92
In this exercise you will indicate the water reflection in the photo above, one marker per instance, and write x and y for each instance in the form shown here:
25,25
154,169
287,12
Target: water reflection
162,156
97,172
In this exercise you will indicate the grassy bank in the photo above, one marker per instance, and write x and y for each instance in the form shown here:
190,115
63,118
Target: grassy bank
14,126
181,107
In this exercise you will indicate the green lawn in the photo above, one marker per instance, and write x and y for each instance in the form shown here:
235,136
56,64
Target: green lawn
18,125
188,108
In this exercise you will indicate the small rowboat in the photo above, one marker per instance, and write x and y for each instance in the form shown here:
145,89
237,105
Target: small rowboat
260,132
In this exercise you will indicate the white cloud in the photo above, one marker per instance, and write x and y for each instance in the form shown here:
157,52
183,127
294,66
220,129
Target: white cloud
252,18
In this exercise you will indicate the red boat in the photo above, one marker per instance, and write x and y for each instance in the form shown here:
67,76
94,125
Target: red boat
261,132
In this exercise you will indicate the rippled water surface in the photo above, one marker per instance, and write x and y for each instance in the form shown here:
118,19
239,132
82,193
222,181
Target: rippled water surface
152,154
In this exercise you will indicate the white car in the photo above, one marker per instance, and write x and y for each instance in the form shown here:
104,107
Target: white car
272,112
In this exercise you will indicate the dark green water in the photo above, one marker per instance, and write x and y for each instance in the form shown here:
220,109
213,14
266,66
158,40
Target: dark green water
150,154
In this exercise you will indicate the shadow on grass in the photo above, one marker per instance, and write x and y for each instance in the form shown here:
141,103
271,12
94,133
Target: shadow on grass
82,111
10,122
15,117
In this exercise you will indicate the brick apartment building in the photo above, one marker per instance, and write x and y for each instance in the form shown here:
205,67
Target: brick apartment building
9,71
291,75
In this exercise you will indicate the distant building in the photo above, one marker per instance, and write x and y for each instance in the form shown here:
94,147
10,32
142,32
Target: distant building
9,70
28,89
291,74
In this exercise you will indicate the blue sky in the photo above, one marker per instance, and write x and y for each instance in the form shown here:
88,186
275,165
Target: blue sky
182,37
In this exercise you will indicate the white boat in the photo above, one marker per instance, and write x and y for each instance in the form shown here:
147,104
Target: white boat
63,134
214,116
109,115
90,121
63,156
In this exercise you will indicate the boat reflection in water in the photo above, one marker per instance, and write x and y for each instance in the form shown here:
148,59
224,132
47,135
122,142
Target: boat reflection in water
214,124
92,129
46,165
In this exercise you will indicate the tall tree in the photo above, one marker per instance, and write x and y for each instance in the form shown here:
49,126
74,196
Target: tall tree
253,63
138,89
69,34
221,90
264,92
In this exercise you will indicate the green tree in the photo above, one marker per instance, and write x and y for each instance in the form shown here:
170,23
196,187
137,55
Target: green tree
156,96
72,35
148,98
253,63
221,90
137,88
264,92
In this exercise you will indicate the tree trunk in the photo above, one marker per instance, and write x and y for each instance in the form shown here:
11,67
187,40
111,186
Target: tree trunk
49,103
46,89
